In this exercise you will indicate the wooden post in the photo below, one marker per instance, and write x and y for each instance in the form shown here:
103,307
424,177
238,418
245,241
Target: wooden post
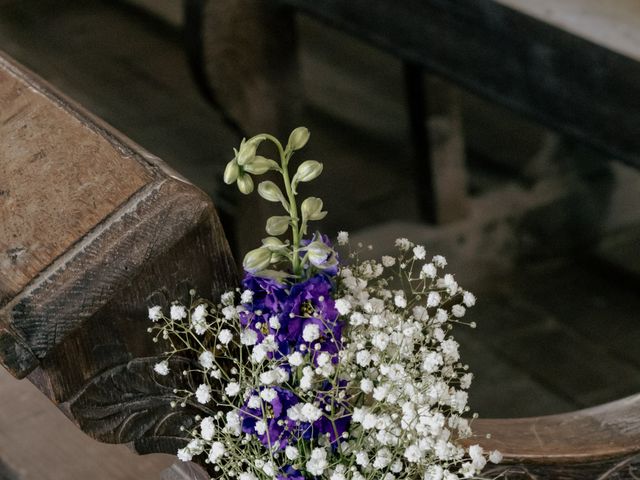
244,53
438,143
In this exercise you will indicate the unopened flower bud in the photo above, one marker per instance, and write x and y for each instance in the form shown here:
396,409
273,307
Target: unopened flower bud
321,255
247,152
298,138
245,184
257,259
260,165
277,225
312,209
231,172
271,192
308,170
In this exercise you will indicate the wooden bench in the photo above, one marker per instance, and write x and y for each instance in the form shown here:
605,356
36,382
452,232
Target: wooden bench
93,229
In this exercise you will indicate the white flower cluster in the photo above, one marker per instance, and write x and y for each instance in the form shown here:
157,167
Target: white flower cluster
399,354
399,380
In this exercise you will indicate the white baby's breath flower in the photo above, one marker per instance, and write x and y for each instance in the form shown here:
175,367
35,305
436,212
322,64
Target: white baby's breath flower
155,313
216,452
233,425
161,368
274,322
207,428
225,336
247,476
469,299
185,455
258,354
382,459
388,261
366,385
311,332
291,452
269,468
206,359
343,306
227,298
419,252
495,456
318,462
203,393
295,359
199,313
268,394
178,312
248,337
246,297
429,270
343,238
458,311
400,301
362,458
439,261
403,244
433,299
232,389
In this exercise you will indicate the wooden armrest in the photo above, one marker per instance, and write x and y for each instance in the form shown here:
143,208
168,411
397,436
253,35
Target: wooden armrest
598,442
92,230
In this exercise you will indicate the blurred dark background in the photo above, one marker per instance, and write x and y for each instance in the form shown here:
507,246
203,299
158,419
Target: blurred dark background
543,227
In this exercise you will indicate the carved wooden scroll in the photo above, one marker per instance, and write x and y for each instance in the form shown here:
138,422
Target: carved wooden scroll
92,230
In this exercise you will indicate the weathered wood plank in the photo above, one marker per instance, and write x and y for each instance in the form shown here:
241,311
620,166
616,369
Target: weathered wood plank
601,442
555,76
56,212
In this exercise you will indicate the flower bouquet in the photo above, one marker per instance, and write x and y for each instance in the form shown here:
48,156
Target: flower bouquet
324,364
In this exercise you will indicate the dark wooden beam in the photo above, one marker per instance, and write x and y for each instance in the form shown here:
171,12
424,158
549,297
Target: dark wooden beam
581,88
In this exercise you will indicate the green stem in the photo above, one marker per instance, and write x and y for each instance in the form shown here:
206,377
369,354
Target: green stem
293,206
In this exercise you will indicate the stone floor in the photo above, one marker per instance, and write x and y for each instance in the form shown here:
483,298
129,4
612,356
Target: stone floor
557,324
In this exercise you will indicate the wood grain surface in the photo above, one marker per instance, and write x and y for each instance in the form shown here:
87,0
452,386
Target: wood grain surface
73,182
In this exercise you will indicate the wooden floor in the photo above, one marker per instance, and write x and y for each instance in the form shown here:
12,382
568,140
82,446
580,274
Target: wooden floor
558,329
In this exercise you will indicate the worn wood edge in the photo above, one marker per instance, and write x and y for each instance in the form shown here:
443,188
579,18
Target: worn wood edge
20,351
597,434
123,144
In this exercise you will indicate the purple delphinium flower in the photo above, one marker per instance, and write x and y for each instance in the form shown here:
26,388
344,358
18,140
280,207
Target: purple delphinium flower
311,303
279,428
268,298
290,473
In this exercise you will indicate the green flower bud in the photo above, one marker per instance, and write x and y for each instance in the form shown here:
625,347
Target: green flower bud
257,260
277,225
272,193
247,152
260,165
307,171
245,184
231,172
312,209
273,243
298,138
